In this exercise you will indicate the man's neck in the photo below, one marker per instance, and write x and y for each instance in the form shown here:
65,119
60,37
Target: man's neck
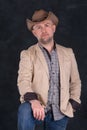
49,46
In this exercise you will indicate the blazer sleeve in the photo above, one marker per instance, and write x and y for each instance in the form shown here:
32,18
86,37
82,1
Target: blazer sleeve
75,82
25,73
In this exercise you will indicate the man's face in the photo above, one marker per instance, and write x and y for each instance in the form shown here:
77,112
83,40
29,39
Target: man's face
44,31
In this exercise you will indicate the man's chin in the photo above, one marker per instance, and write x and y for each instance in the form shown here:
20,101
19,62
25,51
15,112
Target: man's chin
45,41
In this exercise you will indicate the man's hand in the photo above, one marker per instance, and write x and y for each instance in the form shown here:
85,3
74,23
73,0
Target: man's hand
38,110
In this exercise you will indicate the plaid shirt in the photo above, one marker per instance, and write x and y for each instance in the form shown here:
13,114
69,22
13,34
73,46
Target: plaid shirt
53,93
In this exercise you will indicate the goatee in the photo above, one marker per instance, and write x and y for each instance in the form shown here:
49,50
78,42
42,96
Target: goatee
43,41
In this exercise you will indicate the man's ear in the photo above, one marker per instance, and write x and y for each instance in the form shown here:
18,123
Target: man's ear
54,28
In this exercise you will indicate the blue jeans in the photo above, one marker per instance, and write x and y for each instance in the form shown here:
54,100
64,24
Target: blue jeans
26,121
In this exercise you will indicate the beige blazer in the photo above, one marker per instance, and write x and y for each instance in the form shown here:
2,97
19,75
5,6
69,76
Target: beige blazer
33,76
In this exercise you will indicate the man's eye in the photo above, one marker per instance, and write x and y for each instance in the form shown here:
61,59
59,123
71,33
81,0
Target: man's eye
37,27
47,25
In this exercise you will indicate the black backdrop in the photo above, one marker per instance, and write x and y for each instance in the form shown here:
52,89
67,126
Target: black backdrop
14,37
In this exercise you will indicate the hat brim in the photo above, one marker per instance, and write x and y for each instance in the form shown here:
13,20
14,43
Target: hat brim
51,17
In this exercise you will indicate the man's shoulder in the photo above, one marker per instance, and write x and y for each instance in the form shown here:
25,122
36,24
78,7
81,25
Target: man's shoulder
65,51
32,48
29,51
63,48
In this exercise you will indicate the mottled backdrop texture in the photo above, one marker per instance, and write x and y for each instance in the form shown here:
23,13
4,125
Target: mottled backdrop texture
14,37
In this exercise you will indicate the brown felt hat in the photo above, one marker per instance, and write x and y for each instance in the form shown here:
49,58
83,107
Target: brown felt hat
41,15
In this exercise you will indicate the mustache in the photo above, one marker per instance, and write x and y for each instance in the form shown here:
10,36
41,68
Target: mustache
44,33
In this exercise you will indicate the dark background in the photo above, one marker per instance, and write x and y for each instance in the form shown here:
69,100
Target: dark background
14,37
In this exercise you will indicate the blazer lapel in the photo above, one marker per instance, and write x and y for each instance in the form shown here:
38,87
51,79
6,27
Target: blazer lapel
42,59
61,63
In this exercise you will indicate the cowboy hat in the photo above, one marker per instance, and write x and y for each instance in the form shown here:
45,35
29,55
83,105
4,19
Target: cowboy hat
41,15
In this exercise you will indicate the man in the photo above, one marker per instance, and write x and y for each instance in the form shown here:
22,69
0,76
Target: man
48,78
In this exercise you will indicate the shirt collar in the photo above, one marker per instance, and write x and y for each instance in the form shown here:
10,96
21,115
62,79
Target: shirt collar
54,47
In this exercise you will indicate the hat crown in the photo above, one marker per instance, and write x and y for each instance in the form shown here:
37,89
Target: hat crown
39,15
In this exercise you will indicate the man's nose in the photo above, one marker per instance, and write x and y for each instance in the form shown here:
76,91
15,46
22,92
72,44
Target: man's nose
43,29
